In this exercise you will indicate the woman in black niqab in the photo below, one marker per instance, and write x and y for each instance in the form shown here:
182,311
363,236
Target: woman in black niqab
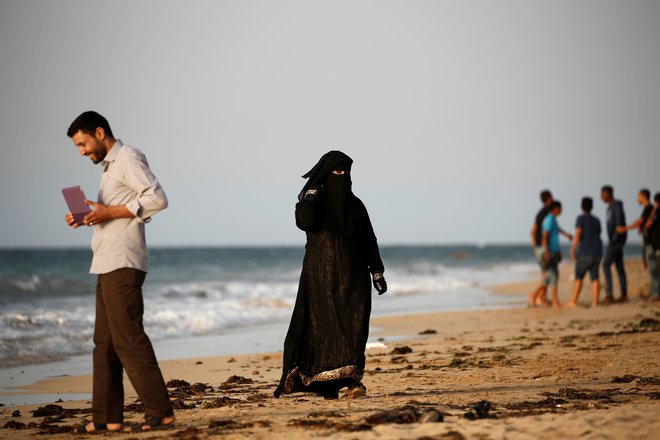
325,344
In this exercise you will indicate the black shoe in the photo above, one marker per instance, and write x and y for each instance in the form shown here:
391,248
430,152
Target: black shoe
330,395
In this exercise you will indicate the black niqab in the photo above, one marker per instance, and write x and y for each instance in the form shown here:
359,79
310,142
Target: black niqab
330,161
337,198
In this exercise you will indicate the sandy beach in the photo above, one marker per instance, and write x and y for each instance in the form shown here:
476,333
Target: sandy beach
496,374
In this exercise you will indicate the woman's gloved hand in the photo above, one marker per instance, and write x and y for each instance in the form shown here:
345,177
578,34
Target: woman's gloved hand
311,194
379,283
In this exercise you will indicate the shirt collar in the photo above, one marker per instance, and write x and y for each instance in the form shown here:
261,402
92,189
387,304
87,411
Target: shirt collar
110,157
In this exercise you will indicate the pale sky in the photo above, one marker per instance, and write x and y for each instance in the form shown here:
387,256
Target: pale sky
456,113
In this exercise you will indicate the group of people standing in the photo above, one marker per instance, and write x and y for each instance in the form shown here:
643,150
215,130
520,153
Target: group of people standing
587,247
324,350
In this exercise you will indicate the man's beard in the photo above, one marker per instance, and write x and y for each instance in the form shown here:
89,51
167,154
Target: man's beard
99,153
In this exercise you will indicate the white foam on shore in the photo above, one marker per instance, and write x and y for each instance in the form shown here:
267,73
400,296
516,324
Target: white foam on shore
38,330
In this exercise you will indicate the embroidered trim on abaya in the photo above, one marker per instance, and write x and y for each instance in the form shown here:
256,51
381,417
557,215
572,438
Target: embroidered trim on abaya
350,371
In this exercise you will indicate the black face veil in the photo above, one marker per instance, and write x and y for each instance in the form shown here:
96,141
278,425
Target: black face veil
316,177
336,194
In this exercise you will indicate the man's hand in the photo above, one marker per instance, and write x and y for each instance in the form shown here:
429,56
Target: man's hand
546,257
100,214
621,229
68,218
573,254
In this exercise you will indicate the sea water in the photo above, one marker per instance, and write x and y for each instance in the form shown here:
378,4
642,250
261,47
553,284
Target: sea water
198,299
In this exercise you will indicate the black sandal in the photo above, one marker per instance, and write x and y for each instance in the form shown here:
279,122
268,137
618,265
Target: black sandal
154,424
99,428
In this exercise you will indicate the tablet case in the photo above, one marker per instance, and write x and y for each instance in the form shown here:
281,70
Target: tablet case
75,199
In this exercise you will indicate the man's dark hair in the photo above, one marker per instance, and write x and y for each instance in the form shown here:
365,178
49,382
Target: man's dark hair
587,204
555,204
545,195
646,193
88,122
608,189
656,198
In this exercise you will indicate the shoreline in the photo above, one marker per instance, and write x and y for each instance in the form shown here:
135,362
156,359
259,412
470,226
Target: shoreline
248,340
545,372
19,380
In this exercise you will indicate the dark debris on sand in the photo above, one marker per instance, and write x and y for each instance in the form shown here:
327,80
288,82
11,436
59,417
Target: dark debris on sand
190,433
547,403
404,415
399,360
627,378
46,426
571,399
136,407
329,424
54,429
428,332
194,390
235,381
55,411
480,410
452,435
259,397
179,404
13,424
230,424
537,407
317,414
585,394
404,349
643,326
220,402
177,383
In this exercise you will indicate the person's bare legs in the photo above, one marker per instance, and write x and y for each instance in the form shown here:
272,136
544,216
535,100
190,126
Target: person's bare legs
533,298
577,288
595,292
555,297
542,297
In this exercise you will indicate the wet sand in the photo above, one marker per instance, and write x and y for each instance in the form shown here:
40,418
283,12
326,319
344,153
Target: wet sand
516,373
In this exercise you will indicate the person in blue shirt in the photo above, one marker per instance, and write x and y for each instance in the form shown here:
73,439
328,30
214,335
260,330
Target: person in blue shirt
552,252
617,240
539,294
587,250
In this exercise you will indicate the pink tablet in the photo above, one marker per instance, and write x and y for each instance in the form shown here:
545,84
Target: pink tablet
75,199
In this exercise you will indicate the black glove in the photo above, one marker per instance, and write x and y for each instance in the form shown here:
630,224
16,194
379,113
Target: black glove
311,194
379,283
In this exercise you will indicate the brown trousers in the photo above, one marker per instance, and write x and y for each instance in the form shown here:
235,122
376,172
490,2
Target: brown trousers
120,342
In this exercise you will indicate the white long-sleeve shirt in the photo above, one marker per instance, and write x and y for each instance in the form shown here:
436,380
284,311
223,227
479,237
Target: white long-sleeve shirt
126,180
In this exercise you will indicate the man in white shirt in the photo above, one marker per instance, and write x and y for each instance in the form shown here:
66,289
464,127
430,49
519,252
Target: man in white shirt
129,195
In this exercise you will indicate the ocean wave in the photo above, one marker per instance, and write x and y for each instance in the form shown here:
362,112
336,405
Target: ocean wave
40,285
58,328
37,326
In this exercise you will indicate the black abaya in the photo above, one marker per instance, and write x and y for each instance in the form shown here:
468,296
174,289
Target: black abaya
325,344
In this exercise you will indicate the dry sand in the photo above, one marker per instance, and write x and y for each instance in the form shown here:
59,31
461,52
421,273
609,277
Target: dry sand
545,373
